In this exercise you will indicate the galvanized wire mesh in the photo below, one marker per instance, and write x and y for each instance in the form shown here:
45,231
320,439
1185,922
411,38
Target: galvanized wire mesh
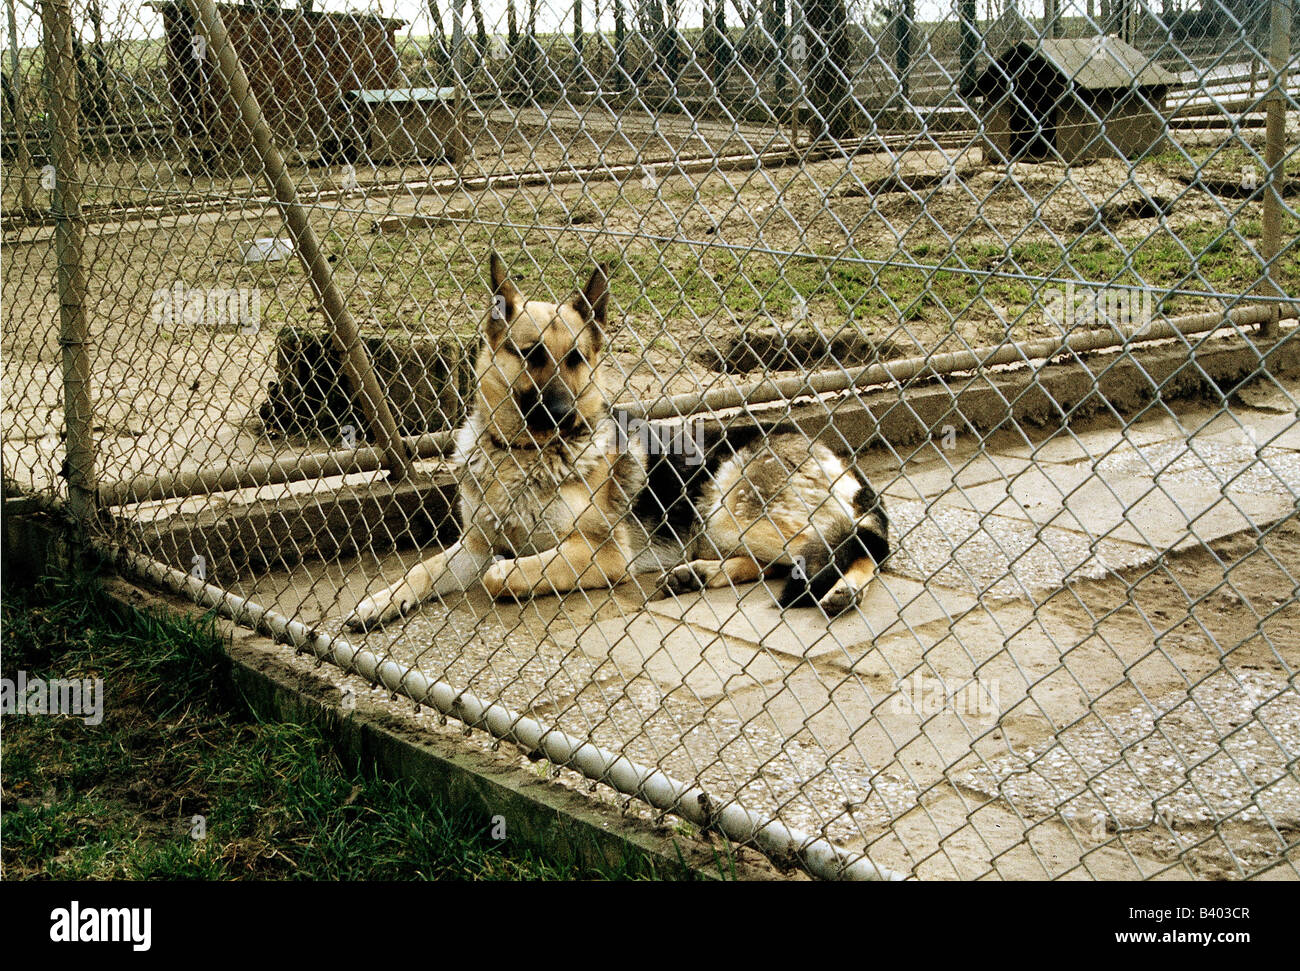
1031,265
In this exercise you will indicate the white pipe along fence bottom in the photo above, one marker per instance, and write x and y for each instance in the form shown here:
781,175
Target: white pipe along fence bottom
820,857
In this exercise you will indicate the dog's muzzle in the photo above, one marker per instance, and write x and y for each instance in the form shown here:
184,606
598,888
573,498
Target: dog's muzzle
547,410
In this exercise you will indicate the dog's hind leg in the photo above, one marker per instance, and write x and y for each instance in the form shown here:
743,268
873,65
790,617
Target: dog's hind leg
834,570
455,569
850,587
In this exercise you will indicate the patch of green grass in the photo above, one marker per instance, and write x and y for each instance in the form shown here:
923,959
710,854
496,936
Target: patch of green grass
430,279
940,286
181,781
1228,156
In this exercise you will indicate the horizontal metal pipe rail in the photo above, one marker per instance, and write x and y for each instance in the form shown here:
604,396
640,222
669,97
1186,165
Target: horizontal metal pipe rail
265,472
200,205
939,365
148,488
819,857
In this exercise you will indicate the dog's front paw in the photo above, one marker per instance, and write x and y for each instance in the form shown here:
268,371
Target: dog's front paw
382,607
839,598
504,580
687,578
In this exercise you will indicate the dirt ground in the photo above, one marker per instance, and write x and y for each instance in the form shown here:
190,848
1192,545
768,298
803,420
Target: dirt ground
924,251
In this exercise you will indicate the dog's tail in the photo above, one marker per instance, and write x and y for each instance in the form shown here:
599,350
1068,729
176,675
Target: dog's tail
853,552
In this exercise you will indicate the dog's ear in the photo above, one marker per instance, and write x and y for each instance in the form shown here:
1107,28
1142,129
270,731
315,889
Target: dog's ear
591,302
506,298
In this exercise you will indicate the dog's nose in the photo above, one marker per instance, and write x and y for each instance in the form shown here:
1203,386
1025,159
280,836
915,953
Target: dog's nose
548,409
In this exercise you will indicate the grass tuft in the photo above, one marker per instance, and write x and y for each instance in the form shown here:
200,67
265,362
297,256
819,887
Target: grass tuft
181,782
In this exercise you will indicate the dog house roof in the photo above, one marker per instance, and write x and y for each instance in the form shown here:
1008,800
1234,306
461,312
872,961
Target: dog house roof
1089,63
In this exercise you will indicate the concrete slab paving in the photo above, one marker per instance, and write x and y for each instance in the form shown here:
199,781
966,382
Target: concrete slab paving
1034,493
980,840
750,614
918,480
1096,438
1179,507
1118,772
992,556
673,653
828,723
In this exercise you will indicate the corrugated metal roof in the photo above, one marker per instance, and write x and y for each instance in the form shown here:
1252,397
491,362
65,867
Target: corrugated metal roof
373,96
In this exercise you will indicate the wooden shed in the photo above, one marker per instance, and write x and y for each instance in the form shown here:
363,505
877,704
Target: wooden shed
1073,99
387,125
300,64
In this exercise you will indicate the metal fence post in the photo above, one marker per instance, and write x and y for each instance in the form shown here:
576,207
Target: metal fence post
356,362
1274,148
74,338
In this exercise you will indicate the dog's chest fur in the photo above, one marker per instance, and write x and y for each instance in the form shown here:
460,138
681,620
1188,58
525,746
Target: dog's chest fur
526,500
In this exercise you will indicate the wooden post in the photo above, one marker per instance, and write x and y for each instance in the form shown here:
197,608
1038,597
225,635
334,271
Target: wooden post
356,361
970,43
903,56
1051,18
798,66
620,48
22,157
74,337
459,66
1274,150
577,44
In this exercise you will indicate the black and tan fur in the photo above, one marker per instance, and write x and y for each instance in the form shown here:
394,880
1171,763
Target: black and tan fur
554,496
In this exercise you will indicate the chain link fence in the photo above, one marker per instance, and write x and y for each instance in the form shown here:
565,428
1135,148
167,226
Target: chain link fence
1030,268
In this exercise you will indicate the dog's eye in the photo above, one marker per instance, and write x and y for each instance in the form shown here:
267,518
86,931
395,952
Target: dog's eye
575,358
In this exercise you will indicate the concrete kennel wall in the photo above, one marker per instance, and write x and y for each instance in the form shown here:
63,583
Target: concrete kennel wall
238,540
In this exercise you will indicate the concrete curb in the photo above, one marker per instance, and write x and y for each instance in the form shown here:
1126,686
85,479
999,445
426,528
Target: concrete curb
546,817
1122,381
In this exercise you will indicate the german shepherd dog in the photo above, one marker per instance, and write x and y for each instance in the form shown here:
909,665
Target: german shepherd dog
555,495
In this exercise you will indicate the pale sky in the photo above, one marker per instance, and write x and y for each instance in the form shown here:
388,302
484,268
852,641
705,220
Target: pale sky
137,20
